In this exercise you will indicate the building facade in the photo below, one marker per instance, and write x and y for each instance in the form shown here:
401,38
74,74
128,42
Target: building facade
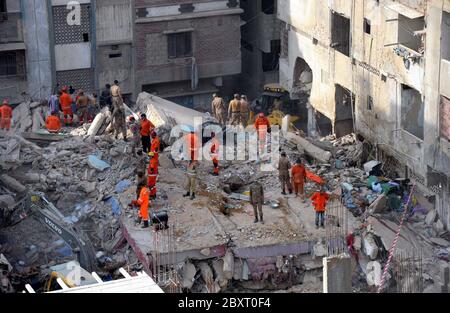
261,45
380,68
187,50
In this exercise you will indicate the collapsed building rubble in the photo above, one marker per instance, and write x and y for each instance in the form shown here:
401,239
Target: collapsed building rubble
89,176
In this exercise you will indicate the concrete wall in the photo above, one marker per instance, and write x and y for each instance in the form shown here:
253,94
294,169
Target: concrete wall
38,54
114,54
374,69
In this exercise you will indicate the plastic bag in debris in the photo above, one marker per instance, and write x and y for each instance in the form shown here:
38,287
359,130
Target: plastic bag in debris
97,164
123,185
115,205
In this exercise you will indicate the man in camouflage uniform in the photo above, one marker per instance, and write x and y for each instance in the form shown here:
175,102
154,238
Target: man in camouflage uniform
218,109
284,165
245,111
234,111
257,200
119,123
116,95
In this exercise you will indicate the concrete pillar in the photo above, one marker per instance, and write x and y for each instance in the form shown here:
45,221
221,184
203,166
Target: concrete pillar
312,123
337,274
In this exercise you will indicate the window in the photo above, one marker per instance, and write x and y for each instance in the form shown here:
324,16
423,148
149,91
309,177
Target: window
369,103
367,26
413,110
268,6
3,11
8,63
270,61
406,32
445,34
115,55
3,6
340,33
180,45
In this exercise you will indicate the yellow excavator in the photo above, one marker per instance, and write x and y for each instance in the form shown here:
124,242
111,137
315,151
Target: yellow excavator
275,103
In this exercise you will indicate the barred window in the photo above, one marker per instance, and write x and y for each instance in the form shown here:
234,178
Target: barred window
180,45
8,63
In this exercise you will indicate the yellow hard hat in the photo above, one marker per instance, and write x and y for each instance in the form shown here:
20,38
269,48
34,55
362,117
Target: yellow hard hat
151,154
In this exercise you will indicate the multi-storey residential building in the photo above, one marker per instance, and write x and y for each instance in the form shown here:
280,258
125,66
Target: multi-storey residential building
380,68
260,45
187,50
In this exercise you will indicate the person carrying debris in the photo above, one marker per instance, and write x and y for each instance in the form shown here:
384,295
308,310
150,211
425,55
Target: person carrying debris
53,123
234,111
298,174
319,201
245,111
105,97
156,145
82,106
257,200
6,114
215,145
263,127
141,181
191,179
146,129
134,128
284,165
152,174
218,109
143,202
119,123
116,94
66,106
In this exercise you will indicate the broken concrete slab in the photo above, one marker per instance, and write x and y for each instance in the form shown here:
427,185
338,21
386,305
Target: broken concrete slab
228,264
310,149
7,201
438,226
337,274
96,124
319,250
188,274
220,276
431,217
11,183
440,242
379,205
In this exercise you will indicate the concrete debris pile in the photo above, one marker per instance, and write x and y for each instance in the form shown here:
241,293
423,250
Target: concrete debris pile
15,151
29,116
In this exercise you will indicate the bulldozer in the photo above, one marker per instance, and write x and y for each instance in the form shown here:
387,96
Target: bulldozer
275,103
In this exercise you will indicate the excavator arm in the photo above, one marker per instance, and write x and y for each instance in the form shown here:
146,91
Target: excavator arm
52,218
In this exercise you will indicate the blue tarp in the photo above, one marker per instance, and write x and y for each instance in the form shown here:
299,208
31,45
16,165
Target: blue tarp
115,205
123,185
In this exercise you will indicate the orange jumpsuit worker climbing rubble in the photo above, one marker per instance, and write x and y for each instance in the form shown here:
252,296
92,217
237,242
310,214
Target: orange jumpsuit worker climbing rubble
152,174
156,145
143,202
215,153
5,116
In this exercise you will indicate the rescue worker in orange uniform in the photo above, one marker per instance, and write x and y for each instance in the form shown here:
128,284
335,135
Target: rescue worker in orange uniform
298,174
144,203
53,123
319,200
152,175
156,145
146,129
5,116
262,126
192,142
65,100
215,145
